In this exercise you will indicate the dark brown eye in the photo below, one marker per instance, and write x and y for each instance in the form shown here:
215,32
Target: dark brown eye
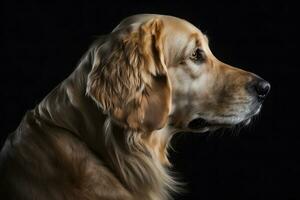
198,55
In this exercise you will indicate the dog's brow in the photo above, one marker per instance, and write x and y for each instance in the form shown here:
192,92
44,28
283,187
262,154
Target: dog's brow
191,44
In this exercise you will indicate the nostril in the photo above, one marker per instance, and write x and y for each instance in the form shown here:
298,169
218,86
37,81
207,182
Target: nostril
262,88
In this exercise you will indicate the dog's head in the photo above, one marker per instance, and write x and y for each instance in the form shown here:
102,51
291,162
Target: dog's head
153,69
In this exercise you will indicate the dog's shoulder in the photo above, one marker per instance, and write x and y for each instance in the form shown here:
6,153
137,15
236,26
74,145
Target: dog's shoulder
46,161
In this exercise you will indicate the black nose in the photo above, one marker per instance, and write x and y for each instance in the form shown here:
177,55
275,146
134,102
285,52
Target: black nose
260,87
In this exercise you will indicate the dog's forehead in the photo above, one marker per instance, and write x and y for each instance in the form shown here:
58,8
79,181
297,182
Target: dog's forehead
179,25
180,32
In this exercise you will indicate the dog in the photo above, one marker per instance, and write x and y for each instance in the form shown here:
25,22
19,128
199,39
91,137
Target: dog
103,133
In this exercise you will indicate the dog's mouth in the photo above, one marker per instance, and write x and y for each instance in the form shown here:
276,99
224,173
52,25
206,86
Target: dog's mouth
202,124
198,123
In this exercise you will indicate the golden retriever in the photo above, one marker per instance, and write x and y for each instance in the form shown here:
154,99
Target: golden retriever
103,133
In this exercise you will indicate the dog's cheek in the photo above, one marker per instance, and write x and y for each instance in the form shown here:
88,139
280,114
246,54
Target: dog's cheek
156,114
156,105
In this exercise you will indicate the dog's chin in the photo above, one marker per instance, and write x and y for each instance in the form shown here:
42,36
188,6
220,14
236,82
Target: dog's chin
201,125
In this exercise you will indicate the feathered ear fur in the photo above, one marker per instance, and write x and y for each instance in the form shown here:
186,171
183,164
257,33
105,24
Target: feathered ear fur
129,79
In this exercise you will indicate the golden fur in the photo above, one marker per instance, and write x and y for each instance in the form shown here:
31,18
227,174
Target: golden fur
103,133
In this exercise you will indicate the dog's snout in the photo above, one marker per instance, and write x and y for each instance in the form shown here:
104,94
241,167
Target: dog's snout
260,88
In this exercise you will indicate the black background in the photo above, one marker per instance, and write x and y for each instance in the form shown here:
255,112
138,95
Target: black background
42,43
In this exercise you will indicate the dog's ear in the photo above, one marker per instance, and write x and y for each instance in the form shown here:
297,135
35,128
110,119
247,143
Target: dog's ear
129,78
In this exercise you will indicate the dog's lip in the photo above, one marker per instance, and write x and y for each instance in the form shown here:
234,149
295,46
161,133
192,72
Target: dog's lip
200,123
197,123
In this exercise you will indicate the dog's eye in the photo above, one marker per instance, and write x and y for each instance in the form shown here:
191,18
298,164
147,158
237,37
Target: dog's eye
198,55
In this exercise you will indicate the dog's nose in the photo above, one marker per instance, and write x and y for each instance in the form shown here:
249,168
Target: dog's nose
260,87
